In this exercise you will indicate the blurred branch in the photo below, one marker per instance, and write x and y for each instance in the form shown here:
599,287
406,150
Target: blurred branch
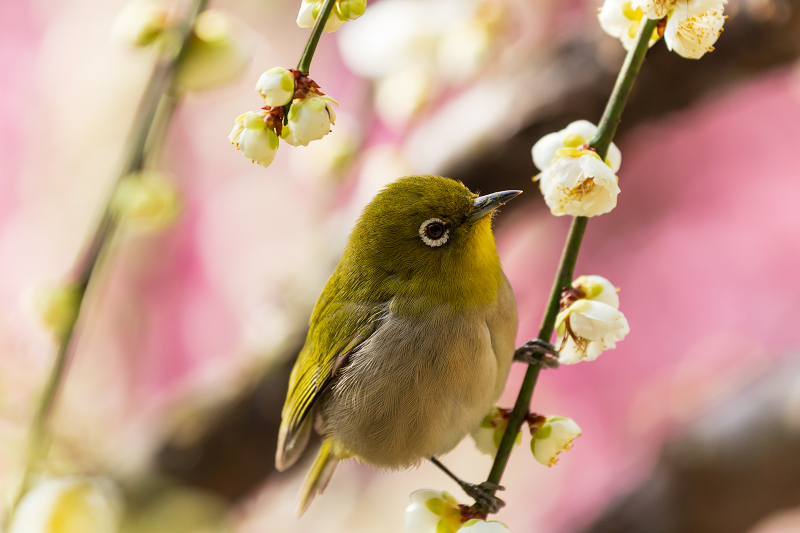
735,465
144,122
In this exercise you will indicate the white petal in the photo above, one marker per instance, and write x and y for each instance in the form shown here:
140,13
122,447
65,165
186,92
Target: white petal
614,158
420,519
584,128
693,36
654,9
612,19
598,289
480,526
484,440
305,17
592,320
544,151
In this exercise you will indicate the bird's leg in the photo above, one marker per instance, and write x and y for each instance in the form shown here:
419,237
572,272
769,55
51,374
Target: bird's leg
482,494
537,352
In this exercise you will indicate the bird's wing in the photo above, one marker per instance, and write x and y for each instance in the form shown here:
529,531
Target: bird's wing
337,330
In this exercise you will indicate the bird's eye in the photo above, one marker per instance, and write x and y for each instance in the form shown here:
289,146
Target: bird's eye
434,232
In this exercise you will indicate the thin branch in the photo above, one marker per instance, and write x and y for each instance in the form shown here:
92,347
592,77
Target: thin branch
316,32
566,269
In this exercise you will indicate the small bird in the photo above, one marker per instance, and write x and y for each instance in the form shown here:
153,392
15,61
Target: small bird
411,340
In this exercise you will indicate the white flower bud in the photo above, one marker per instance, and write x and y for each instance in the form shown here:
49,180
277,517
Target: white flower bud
432,511
276,86
654,9
545,151
694,26
146,201
310,119
257,142
482,526
70,504
620,19
589,327
57,307
555,436
140,23
309,11
350,9
489,433
213,57
579,184
599,289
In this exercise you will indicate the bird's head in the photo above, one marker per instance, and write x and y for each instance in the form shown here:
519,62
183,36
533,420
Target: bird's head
428,235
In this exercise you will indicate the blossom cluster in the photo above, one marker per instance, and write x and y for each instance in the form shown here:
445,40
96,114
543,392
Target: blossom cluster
309,117
343,10
690,27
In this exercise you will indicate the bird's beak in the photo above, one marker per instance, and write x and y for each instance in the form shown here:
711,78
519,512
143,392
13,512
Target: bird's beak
483,205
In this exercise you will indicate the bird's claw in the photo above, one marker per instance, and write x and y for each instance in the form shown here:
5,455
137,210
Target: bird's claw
537,352
483,495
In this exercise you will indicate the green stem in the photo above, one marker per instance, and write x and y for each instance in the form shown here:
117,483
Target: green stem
144,123
316,32
566,269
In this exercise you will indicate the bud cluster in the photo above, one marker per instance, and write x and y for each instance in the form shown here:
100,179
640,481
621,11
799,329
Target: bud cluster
343,10
296,110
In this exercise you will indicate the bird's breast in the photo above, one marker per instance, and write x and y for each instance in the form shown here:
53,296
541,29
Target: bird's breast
420,383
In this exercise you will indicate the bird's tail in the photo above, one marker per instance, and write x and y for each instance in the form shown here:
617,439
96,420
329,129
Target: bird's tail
318,477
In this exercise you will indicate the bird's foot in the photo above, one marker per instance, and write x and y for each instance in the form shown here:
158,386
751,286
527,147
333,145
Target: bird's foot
483,495
537,352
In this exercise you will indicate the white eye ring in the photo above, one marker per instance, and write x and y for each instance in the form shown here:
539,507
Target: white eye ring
433,243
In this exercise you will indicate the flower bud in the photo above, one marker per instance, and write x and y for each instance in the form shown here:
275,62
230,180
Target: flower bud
57,307
257,142
489,433
350,9
69,505
309,11
599,289
276,86
579,184
146,201
579,133
589,328
213,56
432,511
310,119
552,438
481,526
140,23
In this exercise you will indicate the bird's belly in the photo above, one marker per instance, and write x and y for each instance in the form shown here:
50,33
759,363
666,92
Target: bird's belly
418,387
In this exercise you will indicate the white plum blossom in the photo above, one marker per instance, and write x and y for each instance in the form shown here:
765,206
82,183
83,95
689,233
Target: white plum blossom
214,55
140,23
620,19
482,526
69,505
432,511
599,289
343,11
654,9
694,26
276,86
489,433
146,201
588,328
579,184
579,133
256,141
552,438
310,119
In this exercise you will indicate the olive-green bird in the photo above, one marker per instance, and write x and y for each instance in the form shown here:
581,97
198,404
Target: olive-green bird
411,340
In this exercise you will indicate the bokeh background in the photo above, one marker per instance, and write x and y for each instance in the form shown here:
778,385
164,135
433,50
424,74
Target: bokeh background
691,425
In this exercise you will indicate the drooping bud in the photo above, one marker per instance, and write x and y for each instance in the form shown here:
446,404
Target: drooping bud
310,119
255,140
482,526
276,86
552,437
214,56
69,505
489,433
588,328
146,201
433,511
57,307
140,23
